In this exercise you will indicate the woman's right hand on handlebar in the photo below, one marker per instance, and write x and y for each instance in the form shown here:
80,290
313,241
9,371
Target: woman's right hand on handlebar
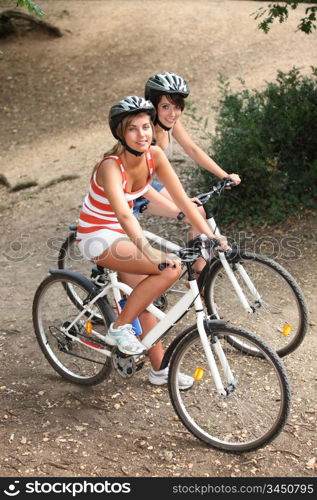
163,260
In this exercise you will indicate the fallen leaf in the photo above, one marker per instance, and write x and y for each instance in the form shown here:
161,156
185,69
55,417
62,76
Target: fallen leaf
311,464
80,428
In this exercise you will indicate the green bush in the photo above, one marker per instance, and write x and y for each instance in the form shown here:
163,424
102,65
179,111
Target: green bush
270,139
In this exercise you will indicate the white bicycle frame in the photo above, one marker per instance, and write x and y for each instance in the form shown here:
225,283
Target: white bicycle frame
172,247
244,275
166,320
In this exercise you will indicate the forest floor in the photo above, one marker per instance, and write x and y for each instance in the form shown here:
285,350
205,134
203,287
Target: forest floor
55,93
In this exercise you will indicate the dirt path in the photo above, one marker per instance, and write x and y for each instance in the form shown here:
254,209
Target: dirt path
55,96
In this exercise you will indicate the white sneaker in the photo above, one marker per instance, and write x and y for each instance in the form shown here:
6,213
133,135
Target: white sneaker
123,336
159,377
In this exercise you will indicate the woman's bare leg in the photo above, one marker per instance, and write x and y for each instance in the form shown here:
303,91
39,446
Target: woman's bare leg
148,321
147,281
123,256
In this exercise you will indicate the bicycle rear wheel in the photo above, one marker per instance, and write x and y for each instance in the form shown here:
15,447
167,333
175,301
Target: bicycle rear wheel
280,316
256,406
79,355
70,258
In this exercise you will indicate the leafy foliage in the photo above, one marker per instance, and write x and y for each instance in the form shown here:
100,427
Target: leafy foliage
269,139
31,6
280,12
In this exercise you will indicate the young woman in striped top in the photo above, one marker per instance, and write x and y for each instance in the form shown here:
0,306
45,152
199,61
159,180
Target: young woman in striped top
110,235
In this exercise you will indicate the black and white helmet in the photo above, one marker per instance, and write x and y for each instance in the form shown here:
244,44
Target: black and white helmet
166,83
131,104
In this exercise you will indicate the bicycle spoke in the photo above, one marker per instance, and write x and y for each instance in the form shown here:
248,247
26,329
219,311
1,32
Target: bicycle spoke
71,342
256,406
279,310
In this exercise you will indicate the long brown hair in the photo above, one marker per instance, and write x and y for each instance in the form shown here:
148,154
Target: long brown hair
119,148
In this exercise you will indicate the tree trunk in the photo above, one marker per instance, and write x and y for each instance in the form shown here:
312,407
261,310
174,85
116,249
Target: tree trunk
13,22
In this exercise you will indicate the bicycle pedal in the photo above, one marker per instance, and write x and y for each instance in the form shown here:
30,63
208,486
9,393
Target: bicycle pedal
126,365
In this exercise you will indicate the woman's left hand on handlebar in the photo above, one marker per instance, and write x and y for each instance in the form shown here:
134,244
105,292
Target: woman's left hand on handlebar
222,241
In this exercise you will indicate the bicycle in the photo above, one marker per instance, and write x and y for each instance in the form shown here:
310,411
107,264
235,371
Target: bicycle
248,289
237,403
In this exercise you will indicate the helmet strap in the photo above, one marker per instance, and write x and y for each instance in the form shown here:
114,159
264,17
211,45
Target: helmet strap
132,151
157,121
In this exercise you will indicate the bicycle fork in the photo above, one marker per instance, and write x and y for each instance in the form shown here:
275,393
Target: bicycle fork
221,387
233,280
236,285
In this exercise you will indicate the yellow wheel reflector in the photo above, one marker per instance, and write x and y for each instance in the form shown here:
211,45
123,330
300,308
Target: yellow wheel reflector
88,327
199,373
286,330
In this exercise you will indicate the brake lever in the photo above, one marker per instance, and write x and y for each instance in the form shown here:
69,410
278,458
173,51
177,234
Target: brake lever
202,200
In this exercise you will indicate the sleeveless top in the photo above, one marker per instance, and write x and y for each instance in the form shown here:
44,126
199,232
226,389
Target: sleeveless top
169,150
97,212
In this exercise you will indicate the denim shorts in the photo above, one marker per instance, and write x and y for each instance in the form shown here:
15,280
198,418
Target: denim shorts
140,203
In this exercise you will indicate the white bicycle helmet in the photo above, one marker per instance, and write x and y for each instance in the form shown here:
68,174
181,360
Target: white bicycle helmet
131,104
166,83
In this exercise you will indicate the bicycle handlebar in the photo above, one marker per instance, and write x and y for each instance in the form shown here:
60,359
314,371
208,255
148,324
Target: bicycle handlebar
215,191
194,249
203,198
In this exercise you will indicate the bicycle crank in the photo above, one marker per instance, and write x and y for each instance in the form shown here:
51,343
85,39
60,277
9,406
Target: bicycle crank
126,366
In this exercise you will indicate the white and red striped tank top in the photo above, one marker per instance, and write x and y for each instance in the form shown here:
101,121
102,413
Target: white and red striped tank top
96,212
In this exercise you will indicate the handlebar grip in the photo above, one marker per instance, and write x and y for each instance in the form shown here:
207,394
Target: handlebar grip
227,182
162,266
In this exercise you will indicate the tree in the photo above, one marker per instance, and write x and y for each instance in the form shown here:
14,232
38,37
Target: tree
280,11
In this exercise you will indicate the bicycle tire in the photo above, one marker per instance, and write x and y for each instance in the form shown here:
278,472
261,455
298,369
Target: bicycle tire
73,358
70,257
256,406
282,316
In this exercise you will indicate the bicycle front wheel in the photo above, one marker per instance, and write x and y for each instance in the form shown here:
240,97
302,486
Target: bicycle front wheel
256,405
279,308
77,353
